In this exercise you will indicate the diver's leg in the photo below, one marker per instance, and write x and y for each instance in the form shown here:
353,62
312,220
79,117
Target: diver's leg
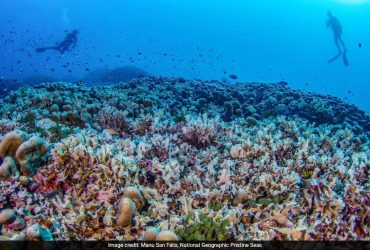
341,42
337,44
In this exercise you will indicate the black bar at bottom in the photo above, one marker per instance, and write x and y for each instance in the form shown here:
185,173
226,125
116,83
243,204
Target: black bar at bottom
262,245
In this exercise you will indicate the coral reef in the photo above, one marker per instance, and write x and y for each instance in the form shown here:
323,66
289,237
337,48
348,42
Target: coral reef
37,79
103,76
170,158
8,85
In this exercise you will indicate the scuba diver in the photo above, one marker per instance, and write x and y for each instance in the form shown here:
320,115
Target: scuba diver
335,25
68,43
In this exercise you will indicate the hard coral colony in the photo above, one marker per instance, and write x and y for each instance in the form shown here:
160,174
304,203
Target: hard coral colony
212,162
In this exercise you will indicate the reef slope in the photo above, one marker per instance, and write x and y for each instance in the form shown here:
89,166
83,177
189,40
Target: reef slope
170,158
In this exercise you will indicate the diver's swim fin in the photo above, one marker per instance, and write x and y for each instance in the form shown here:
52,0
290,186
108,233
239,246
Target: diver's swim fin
334,58
40,50
345,59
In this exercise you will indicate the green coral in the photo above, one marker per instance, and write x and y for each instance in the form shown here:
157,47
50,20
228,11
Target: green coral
216,205
276,199
179,117
208,229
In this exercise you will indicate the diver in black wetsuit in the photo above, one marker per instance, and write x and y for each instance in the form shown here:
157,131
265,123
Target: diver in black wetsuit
68,43
335,25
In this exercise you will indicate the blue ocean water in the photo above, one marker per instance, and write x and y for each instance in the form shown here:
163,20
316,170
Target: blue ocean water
263,41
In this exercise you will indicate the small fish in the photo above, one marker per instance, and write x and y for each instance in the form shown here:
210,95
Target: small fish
87,69
359,45
234,77
52,69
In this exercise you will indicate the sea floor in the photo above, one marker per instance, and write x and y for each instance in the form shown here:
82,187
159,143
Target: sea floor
170,158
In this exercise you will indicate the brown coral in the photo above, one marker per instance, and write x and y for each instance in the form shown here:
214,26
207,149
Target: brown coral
8,168
11,142
29,154
126,210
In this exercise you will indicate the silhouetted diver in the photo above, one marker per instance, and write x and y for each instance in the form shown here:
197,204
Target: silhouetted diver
335,25
68,43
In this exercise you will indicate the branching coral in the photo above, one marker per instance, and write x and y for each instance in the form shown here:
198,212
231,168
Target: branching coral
113,119
7,126
201,132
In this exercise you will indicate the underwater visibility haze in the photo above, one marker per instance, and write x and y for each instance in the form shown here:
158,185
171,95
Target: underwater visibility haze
184,120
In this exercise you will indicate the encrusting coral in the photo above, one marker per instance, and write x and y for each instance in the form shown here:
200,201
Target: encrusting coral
181,159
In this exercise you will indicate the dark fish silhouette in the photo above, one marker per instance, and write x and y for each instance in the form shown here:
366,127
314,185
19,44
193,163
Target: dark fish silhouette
234,77
359,45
